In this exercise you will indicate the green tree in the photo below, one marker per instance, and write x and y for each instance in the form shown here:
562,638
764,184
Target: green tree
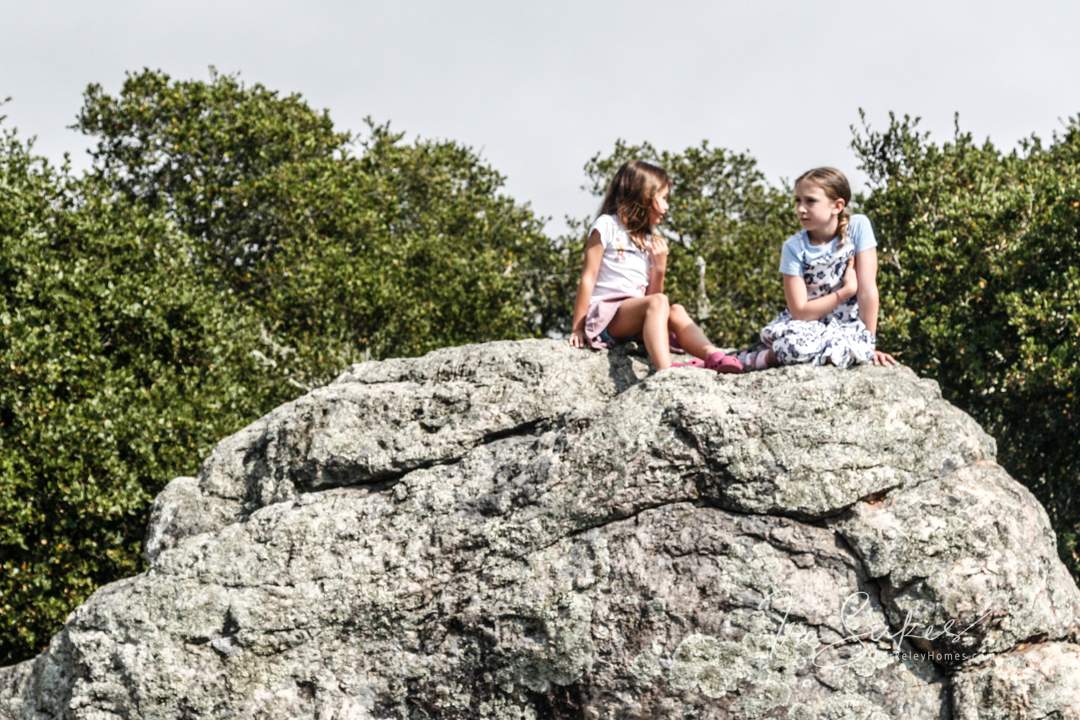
121,369
981,290
191,149
347,246
411,246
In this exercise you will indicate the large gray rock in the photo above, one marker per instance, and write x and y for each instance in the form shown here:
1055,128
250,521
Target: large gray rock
1030,683
972,552
523,530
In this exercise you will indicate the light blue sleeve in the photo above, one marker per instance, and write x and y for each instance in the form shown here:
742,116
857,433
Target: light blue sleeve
862,234
790,264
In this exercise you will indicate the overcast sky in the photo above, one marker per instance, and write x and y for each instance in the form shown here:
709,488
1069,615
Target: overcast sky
540,87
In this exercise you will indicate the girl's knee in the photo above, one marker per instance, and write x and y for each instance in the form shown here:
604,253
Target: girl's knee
679,316
659,302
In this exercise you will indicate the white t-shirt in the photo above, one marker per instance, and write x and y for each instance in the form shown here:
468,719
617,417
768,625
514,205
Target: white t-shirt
624,270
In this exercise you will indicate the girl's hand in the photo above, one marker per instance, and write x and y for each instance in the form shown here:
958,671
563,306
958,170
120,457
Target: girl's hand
883,358
577,339
658,251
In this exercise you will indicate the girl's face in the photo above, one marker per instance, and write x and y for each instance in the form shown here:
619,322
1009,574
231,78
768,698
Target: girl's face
816,212
659,206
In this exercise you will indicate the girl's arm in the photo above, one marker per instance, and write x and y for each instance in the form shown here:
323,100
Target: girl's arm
866,271
594,253
803,309
658,252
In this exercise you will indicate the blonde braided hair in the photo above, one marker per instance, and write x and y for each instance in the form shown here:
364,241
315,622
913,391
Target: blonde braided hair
836,187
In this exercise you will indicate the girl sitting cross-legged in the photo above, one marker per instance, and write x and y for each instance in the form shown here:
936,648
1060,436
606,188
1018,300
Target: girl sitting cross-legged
829,270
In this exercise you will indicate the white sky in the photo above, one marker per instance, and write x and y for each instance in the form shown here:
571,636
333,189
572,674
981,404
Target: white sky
539,87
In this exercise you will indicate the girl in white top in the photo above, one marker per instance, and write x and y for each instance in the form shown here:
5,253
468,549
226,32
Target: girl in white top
621,292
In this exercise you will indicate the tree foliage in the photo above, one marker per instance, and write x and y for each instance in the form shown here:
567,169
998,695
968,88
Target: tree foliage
403,249
347,246
192,149
121,369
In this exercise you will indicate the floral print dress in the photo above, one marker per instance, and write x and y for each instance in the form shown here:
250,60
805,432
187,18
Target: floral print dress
839,338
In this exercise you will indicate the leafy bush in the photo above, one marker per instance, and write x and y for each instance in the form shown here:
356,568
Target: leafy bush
121,369
395,249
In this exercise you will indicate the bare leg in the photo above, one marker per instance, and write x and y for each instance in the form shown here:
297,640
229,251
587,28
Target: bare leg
649,316
690,336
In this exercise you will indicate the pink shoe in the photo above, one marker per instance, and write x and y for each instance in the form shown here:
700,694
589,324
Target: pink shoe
723,363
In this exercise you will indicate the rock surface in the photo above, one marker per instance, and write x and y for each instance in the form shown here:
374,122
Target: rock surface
523,530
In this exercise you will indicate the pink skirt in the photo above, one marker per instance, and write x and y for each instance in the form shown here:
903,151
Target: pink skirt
600,314
599,317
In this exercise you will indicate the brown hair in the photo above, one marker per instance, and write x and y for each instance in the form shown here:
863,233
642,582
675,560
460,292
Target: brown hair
630,196
836,187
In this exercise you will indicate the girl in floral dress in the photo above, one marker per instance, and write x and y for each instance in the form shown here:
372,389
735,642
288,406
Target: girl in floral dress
821,323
